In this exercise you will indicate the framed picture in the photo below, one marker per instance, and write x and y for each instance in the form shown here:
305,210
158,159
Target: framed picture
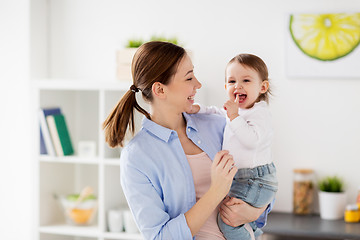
323,45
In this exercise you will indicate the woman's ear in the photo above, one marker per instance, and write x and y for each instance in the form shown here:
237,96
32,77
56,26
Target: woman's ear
158,90
264,86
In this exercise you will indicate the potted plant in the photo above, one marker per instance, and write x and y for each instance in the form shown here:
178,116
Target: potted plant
134,43
125,55
173,40
124,58
332,198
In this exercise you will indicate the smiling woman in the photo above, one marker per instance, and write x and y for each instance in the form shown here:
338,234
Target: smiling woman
160,185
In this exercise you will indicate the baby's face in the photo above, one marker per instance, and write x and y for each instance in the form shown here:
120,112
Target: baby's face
244,81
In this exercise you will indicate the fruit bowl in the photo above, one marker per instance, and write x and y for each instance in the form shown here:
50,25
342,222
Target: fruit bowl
79,212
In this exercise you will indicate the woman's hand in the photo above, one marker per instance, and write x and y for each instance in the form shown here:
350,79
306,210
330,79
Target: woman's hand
235,212
222,174
223,171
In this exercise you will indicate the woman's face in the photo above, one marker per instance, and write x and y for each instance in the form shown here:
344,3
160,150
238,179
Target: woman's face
181,90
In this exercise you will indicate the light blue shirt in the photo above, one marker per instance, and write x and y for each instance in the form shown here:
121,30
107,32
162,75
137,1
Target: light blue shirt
156,177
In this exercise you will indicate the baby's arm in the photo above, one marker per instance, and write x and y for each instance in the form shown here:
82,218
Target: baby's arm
232,109
197,108
253,129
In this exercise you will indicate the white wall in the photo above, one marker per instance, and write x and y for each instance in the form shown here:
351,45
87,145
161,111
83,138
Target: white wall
316,120
15,145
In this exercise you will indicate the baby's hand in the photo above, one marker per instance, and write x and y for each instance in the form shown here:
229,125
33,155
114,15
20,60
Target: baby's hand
195,108
232,108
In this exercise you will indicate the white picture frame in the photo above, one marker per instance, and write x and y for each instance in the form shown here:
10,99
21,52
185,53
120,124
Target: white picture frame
300,65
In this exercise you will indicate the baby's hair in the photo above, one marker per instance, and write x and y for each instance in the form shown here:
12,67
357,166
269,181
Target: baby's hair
259,66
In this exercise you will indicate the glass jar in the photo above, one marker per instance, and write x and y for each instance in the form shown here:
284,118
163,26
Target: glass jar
303,191
352,213
358,198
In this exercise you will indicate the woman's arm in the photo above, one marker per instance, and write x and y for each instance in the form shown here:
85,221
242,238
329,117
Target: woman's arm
235,212
146,201
150,212
222,173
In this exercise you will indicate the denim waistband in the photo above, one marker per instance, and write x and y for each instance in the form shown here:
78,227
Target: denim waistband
256,171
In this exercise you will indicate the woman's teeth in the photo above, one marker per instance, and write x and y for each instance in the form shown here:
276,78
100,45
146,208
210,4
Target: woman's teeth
191,98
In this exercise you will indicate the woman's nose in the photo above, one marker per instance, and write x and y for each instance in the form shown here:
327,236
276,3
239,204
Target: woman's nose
198,85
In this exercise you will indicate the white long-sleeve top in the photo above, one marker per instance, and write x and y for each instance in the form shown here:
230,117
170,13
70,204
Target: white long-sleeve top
249,136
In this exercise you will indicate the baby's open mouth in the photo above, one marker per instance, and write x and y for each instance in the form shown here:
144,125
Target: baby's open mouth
241,97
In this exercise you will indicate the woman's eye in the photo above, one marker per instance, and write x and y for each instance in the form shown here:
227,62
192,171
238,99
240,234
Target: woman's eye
246,80
189,79
231,81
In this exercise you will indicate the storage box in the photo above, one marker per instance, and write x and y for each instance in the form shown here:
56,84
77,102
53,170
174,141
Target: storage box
124,58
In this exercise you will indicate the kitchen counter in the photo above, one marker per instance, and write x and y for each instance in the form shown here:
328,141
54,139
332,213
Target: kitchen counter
310,227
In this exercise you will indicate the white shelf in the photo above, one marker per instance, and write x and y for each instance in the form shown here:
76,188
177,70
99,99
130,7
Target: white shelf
63,229
79,160
73,84
69,159
109,235
87,231
112,162
85,102
85,105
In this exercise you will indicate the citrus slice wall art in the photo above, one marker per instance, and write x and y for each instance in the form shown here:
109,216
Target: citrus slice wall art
324,45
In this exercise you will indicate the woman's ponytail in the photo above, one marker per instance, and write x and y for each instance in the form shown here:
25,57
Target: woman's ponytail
122,116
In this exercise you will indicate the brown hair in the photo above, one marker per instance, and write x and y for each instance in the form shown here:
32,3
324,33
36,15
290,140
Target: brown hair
258,65
153,62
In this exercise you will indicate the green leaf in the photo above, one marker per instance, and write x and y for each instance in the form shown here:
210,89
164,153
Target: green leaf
134,43
331,184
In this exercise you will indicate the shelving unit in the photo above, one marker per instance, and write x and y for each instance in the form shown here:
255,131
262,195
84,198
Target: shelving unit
73,66
85,106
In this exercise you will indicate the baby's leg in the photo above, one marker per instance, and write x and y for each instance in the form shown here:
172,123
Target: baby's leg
256,187
242,232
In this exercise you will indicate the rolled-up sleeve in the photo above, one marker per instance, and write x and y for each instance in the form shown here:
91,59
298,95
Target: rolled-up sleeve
211,110
146,203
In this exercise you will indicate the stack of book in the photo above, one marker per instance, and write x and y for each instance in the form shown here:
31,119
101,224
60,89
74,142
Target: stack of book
54,135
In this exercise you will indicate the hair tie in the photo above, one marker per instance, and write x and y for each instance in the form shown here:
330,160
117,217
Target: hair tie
134,89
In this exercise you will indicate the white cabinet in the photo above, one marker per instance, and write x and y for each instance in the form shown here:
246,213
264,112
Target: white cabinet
76,61
85,106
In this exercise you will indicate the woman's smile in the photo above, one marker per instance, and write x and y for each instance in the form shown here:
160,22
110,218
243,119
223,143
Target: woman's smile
191,99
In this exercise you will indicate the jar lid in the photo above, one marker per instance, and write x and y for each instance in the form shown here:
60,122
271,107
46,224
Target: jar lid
352,207
303,170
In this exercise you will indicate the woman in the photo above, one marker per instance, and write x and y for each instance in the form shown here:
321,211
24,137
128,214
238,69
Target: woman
172,174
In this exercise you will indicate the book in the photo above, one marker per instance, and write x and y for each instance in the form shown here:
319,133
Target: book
46,145
60,135
42,144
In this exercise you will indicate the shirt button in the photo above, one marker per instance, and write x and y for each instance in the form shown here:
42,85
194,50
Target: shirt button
199,142
188,129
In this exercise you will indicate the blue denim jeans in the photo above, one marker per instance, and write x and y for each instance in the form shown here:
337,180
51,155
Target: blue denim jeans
255,186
